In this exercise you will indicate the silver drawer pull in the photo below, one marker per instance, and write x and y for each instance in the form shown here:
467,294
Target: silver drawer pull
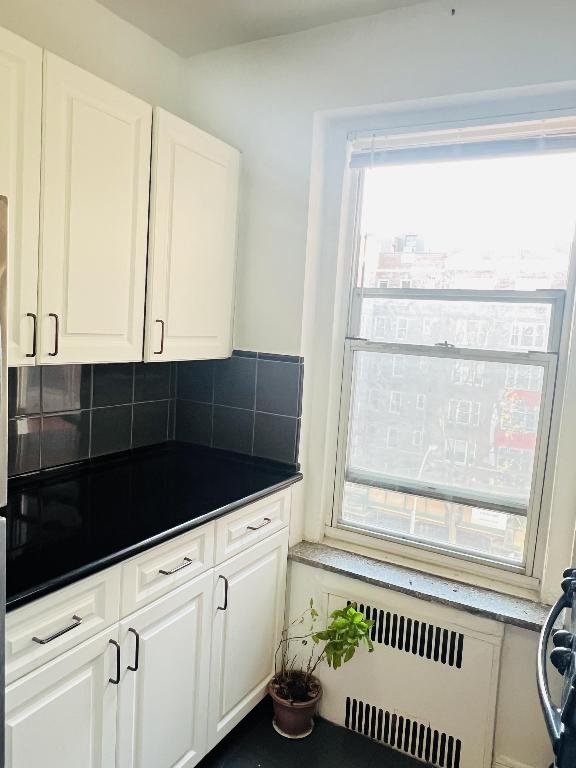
44,640
185,564
267,521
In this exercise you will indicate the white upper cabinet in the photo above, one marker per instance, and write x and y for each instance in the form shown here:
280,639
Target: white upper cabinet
20,136
192,252
94,215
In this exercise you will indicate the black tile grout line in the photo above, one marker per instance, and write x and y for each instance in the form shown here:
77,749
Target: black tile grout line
132,405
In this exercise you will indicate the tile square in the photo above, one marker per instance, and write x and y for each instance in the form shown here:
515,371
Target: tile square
235,382
151,381
233,429
275,437
150,424
113,384
111,430
66,387
24,445
24,394
65,438
193,422
195,380
278,387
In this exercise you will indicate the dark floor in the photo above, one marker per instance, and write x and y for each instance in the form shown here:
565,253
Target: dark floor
255,744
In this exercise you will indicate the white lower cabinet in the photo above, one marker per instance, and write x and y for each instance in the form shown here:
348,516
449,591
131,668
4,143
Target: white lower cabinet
163,692
63,715
248,613
162,685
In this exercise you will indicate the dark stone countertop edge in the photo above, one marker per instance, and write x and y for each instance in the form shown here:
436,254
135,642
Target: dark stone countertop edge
507,609
45,588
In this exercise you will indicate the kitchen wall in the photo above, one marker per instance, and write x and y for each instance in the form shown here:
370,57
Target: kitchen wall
262,98
89,35
66,413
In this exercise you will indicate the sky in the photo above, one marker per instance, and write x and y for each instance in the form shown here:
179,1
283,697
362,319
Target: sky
492,208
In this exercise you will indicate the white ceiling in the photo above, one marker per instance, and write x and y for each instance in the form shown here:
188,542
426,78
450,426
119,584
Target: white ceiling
194,26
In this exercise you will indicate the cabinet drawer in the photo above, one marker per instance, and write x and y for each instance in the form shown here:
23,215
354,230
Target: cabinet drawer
239,530
161,569
42,630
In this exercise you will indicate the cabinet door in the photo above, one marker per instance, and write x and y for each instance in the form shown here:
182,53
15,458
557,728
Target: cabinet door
163,698
20,133
248,614
194,193
63,715
95,178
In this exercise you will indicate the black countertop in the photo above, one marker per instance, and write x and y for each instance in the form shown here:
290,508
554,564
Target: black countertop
65,524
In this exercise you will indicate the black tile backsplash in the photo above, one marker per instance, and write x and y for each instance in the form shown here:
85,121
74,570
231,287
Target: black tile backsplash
151,382
113,384
111,429
235,382
232,429
24,391
24,445
65,388
250,403
66,413
65,438
150,423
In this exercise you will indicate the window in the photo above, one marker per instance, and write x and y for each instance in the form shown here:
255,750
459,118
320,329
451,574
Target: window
401,328
467,246
528,335
464,412
398,365
459,450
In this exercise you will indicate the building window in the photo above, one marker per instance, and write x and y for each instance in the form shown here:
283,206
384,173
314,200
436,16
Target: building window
483,300
464,412
401,328
398,365
395,402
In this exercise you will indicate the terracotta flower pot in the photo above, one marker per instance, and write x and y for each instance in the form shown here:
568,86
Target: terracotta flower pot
294,719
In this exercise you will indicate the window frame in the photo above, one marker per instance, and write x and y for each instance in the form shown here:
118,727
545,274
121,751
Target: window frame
536,515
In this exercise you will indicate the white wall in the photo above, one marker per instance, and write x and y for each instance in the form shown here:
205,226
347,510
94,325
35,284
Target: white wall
87,34
262,96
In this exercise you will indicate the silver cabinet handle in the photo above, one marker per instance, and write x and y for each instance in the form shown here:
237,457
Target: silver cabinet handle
43,640
267,521
162,325
56,333
34,333
185,564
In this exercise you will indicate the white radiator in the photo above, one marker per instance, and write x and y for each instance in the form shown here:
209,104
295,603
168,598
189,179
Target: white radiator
429,689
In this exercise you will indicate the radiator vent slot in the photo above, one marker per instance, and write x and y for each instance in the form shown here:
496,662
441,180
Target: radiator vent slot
414,636
403,733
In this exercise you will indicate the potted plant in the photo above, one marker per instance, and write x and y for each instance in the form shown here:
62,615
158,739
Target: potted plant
294,689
